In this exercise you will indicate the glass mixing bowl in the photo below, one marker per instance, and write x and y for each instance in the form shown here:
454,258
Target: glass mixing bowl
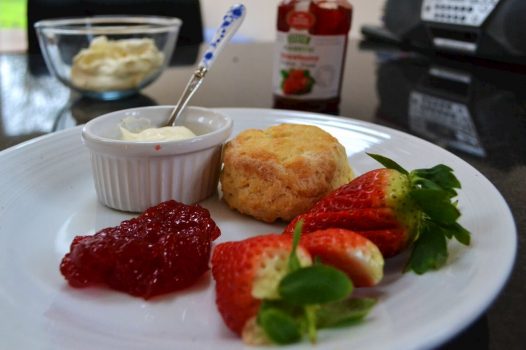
108,57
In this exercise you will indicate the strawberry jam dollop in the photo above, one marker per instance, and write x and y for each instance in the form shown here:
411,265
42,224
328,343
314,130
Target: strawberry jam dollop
166,248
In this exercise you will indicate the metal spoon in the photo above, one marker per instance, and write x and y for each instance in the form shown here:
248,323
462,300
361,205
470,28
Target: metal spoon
231,22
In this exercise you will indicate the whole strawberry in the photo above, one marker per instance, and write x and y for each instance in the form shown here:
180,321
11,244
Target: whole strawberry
269,291
395,208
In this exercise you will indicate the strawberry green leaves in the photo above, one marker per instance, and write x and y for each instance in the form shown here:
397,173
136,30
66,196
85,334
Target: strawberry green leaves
429,250
432,190
317,284
279,326
344,313
437,205
294,262
439,177
460,233
388,163
311,297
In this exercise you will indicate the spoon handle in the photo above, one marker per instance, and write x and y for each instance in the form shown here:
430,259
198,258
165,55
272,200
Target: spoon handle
190,89
229,26
231,22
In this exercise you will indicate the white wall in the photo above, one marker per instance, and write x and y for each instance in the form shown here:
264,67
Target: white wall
260,23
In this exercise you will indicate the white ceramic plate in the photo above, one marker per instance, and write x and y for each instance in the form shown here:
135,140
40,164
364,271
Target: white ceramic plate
48,197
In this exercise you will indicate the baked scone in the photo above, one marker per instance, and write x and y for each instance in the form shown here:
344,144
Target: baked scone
280,172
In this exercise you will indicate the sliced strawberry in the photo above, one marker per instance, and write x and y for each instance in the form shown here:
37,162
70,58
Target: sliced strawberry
380,225
349,252
395,208
268,290
248,271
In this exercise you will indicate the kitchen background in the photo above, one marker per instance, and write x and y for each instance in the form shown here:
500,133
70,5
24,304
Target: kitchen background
259,25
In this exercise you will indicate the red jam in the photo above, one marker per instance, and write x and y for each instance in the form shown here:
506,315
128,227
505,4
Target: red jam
166,248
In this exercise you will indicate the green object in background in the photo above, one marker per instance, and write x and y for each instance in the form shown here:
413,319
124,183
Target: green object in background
13,14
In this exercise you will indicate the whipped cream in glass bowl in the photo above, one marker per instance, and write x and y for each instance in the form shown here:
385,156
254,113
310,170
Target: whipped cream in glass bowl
108,57
115,64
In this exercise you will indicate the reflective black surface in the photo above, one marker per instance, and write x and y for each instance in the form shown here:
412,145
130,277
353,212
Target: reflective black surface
476,110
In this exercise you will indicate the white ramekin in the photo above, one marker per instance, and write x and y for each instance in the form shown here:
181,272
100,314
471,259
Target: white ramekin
133,176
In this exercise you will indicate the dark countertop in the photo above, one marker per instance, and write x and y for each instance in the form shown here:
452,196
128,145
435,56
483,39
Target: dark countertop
476,110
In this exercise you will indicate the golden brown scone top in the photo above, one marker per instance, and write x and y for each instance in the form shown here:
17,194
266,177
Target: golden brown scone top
280,172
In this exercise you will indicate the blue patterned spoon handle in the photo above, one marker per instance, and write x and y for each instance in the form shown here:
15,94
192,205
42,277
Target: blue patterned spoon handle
229,26
231,22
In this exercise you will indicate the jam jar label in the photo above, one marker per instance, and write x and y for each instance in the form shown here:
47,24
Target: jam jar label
308,66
